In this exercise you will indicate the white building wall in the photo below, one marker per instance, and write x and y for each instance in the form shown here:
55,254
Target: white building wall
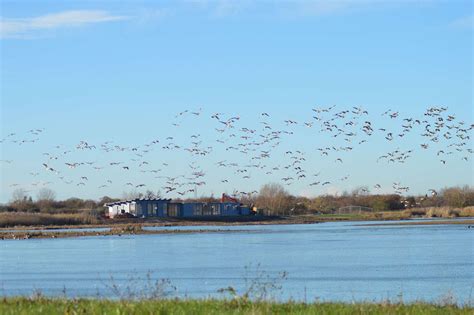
113,211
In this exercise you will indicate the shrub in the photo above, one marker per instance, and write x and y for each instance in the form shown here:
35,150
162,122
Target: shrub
442,213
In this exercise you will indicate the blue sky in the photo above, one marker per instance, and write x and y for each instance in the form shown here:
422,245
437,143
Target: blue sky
104,70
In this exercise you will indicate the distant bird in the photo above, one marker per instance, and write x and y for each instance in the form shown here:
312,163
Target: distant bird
243,148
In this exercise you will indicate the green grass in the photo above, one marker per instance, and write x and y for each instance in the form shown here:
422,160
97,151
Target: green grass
84,306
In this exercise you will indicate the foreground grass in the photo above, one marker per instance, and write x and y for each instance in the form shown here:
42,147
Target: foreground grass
84,306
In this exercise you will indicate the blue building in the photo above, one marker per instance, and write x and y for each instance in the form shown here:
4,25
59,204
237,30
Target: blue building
163,208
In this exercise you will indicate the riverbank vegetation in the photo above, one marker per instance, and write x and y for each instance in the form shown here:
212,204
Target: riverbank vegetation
12,219
274,203
10,306
120,230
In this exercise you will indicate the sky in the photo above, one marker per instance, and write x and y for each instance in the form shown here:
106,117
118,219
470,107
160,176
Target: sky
120,72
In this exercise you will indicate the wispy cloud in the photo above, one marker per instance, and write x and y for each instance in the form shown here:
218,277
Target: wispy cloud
28,27
466,22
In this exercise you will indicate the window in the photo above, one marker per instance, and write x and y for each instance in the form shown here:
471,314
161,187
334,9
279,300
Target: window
216,209
197,209
173,210
165,209
151,209
206,210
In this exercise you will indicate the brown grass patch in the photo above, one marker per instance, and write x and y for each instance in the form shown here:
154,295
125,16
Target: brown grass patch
12,219
441,212
467,212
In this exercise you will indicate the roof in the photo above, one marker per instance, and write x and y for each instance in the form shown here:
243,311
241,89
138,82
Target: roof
134,200
167,200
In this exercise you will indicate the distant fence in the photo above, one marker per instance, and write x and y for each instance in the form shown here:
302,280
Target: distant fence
353,209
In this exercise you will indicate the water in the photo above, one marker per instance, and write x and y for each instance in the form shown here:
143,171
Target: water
339,261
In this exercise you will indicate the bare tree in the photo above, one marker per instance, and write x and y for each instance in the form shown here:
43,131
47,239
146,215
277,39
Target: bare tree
45,199
458,196
360,191
46,195
273,198
150,194
159,194
134,194
21,200
19,195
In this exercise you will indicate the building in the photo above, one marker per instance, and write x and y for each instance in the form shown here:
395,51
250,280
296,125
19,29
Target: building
139,207
161,208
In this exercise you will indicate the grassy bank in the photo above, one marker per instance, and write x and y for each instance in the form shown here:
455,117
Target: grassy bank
441,212
63,306
468,222
117,231
12,219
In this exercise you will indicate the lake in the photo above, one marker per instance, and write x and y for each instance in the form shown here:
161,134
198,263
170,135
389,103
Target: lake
341,261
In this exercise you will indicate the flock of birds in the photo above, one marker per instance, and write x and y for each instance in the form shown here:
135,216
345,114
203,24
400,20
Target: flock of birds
268,149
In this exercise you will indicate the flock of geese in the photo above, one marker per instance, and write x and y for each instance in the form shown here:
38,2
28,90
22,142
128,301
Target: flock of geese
268,149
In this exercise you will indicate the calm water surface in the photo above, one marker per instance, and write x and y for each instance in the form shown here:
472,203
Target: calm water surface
331,261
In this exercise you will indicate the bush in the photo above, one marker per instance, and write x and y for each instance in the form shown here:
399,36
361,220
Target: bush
458,197
416,212
442,213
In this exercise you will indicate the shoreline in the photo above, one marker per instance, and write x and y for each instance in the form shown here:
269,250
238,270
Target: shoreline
229,221
460,221
170,222
112,232
120,228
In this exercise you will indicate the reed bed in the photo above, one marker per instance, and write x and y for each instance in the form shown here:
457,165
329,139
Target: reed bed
440,212
13,219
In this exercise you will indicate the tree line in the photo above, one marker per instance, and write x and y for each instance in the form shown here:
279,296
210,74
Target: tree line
272,199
